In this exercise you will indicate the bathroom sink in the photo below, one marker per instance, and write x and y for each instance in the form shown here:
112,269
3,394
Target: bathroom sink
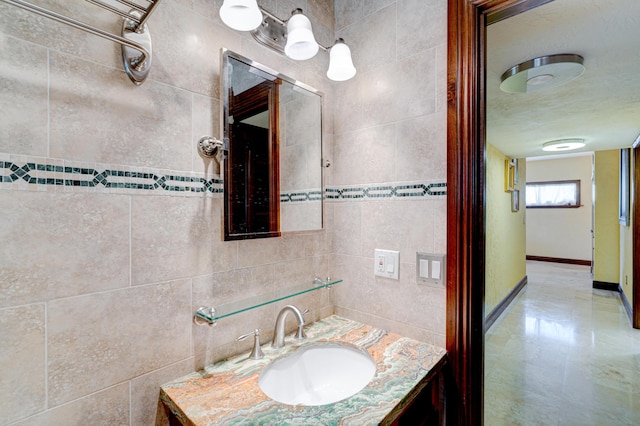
317,374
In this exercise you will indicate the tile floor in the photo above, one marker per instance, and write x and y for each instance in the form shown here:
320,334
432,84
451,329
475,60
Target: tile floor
562,354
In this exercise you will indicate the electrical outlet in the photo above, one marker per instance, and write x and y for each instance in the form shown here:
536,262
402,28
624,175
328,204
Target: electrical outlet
386,263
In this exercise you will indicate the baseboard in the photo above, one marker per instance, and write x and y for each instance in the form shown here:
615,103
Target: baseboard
559,260
500,307
602,285
625,302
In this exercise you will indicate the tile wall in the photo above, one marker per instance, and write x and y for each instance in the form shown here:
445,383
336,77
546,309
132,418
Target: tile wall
389,168
111,223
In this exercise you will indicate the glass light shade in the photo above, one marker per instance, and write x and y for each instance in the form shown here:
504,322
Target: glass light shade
241,15
301,44
563,145
340,64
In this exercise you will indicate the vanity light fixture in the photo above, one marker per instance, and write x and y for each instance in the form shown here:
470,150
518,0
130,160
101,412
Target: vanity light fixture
563,145
542,73
293,37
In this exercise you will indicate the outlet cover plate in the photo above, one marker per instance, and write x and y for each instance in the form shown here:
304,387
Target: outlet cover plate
386,263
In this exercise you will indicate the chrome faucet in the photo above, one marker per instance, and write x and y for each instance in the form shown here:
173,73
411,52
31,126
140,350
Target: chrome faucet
278,333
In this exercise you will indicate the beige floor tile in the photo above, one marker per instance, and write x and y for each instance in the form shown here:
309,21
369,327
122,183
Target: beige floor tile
562,354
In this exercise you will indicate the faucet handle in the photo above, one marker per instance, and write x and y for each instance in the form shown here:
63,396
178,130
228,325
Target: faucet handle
256,352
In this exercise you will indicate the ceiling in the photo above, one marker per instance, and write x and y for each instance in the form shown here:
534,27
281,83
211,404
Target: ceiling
602,106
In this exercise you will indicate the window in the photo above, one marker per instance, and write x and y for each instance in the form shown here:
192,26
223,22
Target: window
556,194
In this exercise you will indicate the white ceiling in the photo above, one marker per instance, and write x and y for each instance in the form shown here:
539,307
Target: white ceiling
602,106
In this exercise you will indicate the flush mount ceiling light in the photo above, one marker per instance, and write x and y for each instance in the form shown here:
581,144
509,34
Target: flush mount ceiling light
293,37
542,73
563,145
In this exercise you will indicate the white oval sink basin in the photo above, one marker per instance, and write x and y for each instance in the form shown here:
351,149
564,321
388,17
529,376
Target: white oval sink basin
317,374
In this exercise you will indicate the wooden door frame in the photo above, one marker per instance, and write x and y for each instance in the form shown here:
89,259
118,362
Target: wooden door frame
635,232
466,197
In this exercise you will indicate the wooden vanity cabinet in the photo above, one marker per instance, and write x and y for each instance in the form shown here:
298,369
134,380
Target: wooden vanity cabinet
428,406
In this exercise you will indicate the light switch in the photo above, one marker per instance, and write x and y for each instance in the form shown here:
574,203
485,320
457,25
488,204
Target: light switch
424,268
387,263
435,269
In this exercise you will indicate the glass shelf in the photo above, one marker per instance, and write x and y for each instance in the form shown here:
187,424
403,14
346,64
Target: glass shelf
211,315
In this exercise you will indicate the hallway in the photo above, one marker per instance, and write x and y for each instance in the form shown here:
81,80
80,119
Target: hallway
562,354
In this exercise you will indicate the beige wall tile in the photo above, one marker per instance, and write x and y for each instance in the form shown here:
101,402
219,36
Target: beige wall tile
186,48
106,408
402,329
348,111
372,39
102,339
322,11
347,231
272,250
111,123
441,71
22,361
146,409
440,228
400,90
58,245
62,245
422,148
397,225
23,97
301,271
365,156
62,38
421,25
207,8
348,12
390,126
372,6
177,237
206,122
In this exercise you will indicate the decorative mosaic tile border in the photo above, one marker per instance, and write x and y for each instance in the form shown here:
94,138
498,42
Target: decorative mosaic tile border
301,196
15,175
48,174
403,190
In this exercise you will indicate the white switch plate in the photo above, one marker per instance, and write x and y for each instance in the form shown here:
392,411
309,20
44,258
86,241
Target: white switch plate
430,268
386,263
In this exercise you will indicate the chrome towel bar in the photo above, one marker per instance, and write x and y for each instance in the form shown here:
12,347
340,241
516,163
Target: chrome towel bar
135,39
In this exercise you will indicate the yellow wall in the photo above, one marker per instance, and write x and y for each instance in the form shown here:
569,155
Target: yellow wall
505,232
561,233
606,265
626,255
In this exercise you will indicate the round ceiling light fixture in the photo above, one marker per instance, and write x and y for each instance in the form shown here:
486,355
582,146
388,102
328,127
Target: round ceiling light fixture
542,73
563,145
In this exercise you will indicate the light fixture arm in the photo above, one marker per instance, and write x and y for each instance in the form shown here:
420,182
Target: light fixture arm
268,14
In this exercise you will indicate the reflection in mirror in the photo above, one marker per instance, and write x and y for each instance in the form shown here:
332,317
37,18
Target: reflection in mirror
273,140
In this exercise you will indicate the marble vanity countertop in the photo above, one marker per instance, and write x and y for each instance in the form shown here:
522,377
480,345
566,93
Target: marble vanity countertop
227,393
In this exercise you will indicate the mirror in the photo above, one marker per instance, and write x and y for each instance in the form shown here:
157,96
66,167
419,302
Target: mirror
273,144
